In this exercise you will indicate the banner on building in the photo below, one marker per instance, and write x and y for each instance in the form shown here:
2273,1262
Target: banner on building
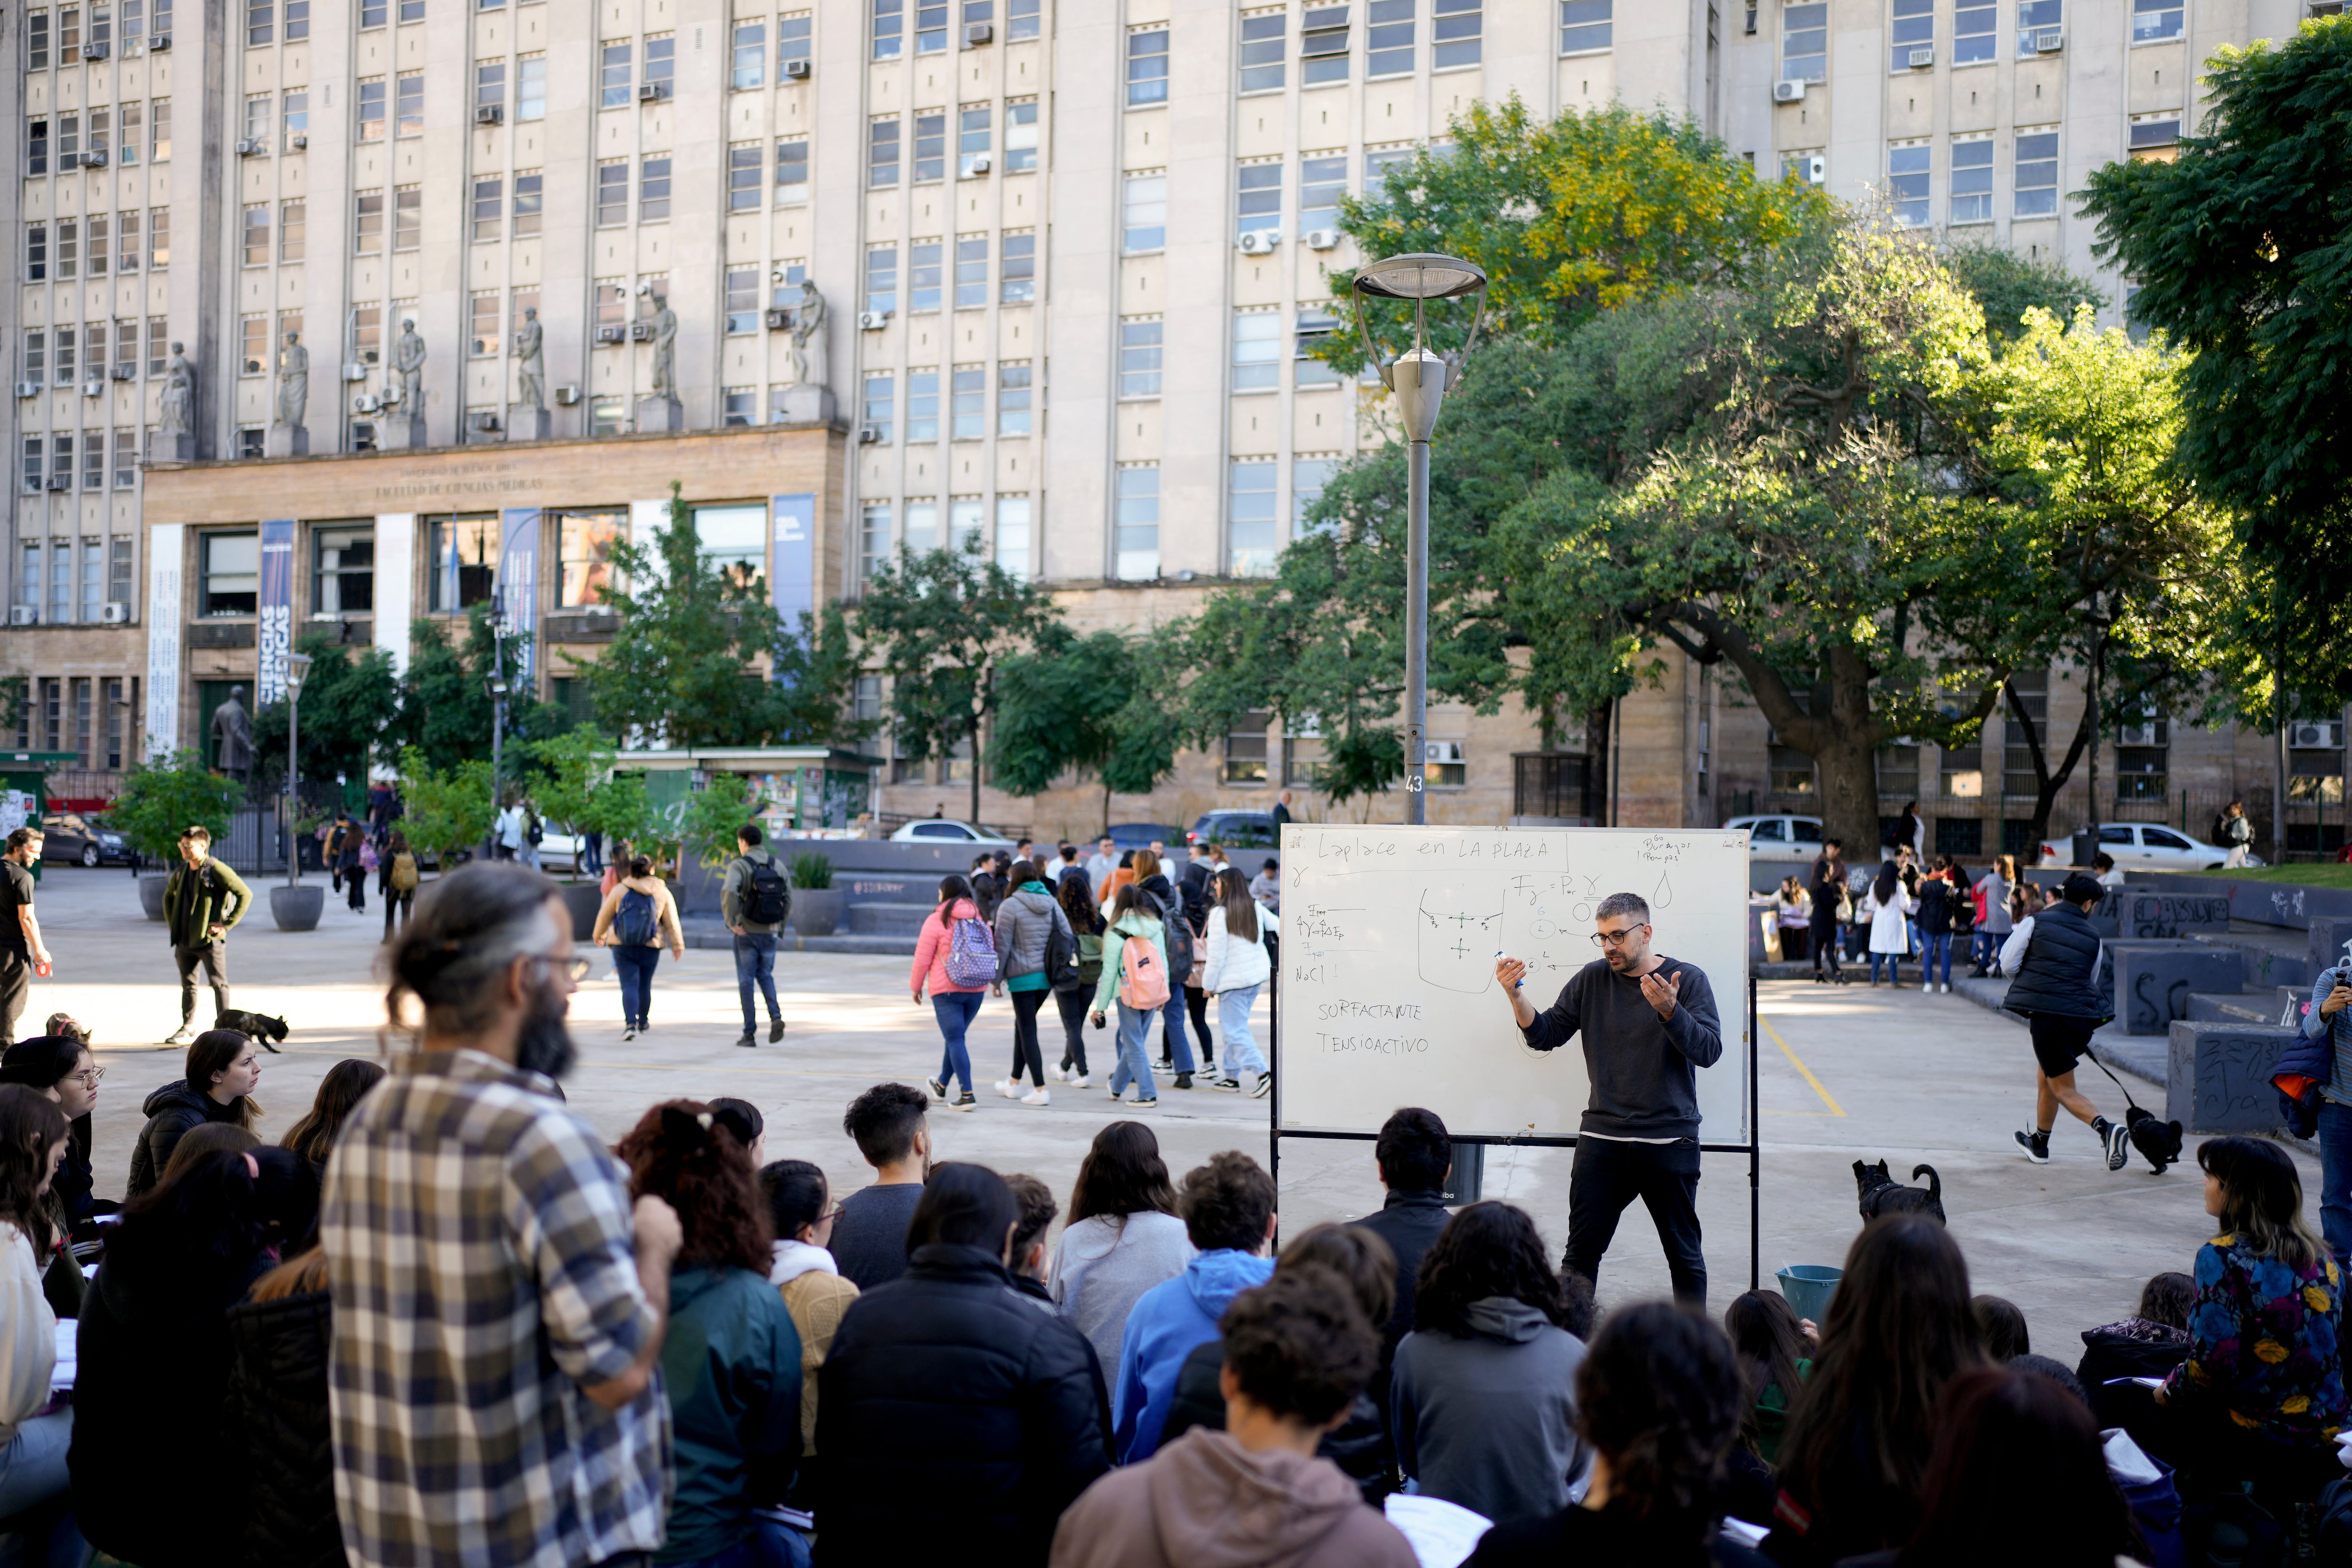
791,558
274,628
165,543
395,546
519,587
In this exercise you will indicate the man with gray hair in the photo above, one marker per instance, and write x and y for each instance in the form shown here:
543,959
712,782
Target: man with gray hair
1649,1023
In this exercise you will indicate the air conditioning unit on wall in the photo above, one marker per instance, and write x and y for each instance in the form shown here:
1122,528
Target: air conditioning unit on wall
1787,92
1260,242
2324,736
1922,56
117,613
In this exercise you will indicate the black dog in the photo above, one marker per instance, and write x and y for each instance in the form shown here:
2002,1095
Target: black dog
1880,1194
2158,1141
264,1028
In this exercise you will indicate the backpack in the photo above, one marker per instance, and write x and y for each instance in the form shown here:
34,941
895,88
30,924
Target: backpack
633,926
767,897
1177,934
404,872
971,955
1142,982
1062,955
1090,959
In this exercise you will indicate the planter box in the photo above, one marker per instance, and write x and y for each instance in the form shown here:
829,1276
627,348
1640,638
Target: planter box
583,901
817,911
150,896
296,908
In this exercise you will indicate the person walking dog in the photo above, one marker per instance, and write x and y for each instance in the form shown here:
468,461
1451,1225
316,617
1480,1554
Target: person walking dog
2054,955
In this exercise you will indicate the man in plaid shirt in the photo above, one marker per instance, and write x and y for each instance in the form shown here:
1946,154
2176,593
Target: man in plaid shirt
498,1306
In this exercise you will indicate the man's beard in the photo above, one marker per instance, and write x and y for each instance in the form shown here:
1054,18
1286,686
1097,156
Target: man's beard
543,1044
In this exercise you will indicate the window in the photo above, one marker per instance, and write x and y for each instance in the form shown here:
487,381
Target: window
68,138
1021,136
968,404
930,27
882,278
738,406
126,241
292,225
37,40
260,109
2037,175
1323,45
1913,28
792,169
101,23
482,326
975,132
923,527
1316,322
293,117
1908,170
1017,268
62,358
408,104
94,360
661,62
882,145
922,409
1973,181
1136,522
612,194
490,85
1388,37
367,334
744,176
1976,30
100,129
2153,21
61,455
792,41
1012,401
37,252
252,337
604,416
750,65
134,133
1454,33
971,271
612,303
743,300
374,14
1138,358
1263,40
342,571
68,34
1245,752
2032,18
228,571
463,563
256,236
613,75
1259,197
2155,138
159,238
32,463
408,216
1019,19
1144,215
1321,182
1307,477
881,403
159,345
930,147
890,28
95,264
1013,535
585,542
1804,42
924,263
530,88
1257,345
260,22
118,572
1251,524
1146,68
653,189
37,147
367,230
370,110
527,198
36,362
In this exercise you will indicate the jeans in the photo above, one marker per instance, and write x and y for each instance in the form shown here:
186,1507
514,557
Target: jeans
770,1544
1894,961
1134,1054
1233,1024
1606,1175
214,956
591,857
1027,1054
1073,1005
1172,1018
755,962
635,967
2336,1177
1936,946
955,1010
33,1476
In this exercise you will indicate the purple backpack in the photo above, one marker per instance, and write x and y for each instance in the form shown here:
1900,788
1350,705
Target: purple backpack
971,955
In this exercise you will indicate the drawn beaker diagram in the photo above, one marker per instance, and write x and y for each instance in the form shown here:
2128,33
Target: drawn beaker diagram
1457,938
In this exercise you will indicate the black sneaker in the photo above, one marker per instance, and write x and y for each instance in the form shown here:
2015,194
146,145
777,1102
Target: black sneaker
2036,1146
1228,1084
2117,1138
938,1091
965,1101
775,1030
1263,1087
1183,1080
749,1038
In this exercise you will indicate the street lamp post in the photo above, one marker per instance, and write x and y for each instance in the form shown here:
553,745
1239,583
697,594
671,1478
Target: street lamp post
297,665
1418,378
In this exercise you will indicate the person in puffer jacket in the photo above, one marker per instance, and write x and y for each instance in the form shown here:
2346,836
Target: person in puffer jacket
1025,923
1237,969
1228,1210
279,1342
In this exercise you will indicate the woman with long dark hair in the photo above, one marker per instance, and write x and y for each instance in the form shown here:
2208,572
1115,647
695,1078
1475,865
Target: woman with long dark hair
1026,921
730,1356
1086,924
1481,1398
953,1004
1237,969
1122,1237
1774,1357
33,1476
224,1068
1901,1327
314,1137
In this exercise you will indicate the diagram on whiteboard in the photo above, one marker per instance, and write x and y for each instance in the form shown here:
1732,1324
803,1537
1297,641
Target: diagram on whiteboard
1457,939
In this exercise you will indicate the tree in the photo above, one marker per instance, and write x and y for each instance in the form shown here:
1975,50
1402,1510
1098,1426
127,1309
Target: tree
2007,285
715,812
942,623
160,797
449,811
350,707
446,706
574,766
1094,704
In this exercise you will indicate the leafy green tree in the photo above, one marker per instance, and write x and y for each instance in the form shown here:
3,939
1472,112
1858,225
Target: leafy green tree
573,767
622,810
350,706
449,811
160,797
446,706
1096,704
714,811
2007,285
941,624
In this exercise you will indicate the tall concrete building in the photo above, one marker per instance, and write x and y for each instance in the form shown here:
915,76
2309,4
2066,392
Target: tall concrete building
343,313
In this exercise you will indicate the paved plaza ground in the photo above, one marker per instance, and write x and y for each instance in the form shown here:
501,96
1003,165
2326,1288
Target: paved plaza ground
1844,1073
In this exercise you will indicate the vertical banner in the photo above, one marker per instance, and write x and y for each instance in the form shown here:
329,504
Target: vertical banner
395,584
274,631
166,543
792,559
519,586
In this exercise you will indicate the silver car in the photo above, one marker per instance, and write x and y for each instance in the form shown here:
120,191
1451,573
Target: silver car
1781,837
2147,846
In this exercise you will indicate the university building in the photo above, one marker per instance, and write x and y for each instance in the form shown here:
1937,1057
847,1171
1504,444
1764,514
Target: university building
466,284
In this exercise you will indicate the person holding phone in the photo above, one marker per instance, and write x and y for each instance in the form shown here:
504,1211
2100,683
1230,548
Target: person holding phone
22,954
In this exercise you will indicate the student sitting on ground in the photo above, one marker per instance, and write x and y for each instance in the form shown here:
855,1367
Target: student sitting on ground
888,1124
2002,1328
2148,1343
1776,1354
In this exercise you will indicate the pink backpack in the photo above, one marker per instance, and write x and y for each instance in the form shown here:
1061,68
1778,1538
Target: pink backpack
1142,978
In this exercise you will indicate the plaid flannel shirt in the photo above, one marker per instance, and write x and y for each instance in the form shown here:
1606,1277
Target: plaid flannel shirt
481,1248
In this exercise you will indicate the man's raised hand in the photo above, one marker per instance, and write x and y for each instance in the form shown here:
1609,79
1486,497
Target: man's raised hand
1662,994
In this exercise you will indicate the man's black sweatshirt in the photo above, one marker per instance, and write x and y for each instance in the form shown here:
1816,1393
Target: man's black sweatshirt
1643,1067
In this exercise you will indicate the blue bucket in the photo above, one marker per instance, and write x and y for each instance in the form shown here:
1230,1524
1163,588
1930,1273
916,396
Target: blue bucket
1808,1287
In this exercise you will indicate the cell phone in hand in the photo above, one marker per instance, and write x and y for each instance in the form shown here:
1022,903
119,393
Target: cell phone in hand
1099,1020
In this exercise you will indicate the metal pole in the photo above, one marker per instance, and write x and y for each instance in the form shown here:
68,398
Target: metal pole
293,785
1416,635
1755,1155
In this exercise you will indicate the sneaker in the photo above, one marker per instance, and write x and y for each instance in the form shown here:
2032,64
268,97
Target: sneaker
2118,1138
2036,1146
1263,1087
938,1091
775,1030
1038,1096
1947,988
1183,1080
178,1036
1147,1104
1060,1075
1078,1080
629,1032
1010,1088
965,1101
1927,987
749,1038
1229,1085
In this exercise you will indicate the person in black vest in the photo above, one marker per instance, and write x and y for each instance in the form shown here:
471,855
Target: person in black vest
2055,956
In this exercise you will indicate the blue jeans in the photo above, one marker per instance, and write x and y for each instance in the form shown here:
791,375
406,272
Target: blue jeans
592,854
634,967
1935,946
1134,1062
770,1544
2336,1177
1180,1047
1234,1026
1894,961
955,1010
755,961
33,1475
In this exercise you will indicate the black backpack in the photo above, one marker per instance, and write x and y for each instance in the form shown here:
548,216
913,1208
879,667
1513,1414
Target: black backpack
767,897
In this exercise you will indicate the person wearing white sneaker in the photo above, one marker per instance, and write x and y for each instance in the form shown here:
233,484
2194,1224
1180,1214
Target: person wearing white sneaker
1237,969
1071,1000
2055,956
1029,927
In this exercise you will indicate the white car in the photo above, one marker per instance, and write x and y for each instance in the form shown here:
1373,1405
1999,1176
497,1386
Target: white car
2146,847
946,830
1781,837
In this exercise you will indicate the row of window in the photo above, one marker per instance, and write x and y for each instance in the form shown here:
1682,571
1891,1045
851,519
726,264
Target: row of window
2037,27
115,133
927,285
1325,41
966,521
1910,178
748,64
967,391
70,37
1258,187
929,23
66,247
1249,751
887,143
1253,533
48,461
63,355
87,714
64,580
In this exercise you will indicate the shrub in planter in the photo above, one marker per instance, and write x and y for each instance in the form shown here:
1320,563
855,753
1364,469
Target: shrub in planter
812,870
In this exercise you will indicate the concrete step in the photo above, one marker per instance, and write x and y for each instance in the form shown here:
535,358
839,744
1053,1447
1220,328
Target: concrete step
879,918
2248,1007
2275,956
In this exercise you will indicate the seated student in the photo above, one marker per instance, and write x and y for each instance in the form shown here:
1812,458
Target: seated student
801,1210
1413,1156
1775,1354
956,1420
2001,1328
34,1138
1035,1201
888,1124
1297,1351
1658,1402
1228,1209
2148,1343
1122,1239
1482,1404
283,1480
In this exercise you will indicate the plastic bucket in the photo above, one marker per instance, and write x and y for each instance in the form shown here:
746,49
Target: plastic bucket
1808,1287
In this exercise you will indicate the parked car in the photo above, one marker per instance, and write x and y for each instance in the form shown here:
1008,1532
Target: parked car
2145,847
70,838
558,851
1235,830
1781,837
945,830
1142,835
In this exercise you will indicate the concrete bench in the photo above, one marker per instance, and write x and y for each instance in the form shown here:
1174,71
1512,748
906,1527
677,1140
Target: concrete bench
2153,984
2219,1078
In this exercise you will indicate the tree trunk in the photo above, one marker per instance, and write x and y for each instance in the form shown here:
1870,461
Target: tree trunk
1106,832
2046,784
973,734
1849,768
1598,737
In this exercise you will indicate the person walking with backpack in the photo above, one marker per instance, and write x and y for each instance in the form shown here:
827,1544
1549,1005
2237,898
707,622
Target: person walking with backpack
396,879
1178,940
633,920
1072,993
955,960
1137,976
1030,935
344,854
1236,970
755,902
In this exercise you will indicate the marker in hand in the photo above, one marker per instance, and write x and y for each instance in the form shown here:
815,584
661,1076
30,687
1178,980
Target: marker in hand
1517,985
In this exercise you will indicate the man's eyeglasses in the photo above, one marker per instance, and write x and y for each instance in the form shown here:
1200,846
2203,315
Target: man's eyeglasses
572,968
1615,938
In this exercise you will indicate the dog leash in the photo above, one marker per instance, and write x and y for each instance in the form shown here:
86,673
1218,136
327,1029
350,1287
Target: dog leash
2117,1081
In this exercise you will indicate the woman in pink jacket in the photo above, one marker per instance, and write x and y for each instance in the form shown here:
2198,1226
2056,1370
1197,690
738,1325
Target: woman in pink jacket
954,1006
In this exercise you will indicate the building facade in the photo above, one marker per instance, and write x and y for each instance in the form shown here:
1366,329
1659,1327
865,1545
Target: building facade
1035,272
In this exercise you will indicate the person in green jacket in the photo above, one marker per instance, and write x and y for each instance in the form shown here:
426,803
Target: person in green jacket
1129,917
202,902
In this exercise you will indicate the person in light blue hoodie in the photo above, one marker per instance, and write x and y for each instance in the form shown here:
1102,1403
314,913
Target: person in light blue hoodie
1228,1209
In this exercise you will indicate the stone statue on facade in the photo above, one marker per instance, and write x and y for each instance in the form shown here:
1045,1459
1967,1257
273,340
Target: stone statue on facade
232,736
179,412
293,382
530,377
665,349
408,363
808,338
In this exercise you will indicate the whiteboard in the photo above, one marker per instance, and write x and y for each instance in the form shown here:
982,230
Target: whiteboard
1387,994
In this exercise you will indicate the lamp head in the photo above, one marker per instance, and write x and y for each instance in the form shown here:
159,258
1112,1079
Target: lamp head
1421,276
297,666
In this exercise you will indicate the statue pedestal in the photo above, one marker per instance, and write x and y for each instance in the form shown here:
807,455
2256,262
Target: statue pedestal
288,441
663,414
525,423
164,449
805,405
397,432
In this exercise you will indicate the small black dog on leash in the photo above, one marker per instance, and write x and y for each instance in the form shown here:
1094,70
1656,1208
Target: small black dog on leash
260,1027
2160,1142
1881,1195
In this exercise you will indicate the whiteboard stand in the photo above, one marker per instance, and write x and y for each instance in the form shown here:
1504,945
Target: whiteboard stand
1753,1148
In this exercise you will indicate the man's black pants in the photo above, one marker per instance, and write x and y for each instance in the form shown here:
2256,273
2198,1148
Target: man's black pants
1607,1176
214,956
16,990
1823,931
